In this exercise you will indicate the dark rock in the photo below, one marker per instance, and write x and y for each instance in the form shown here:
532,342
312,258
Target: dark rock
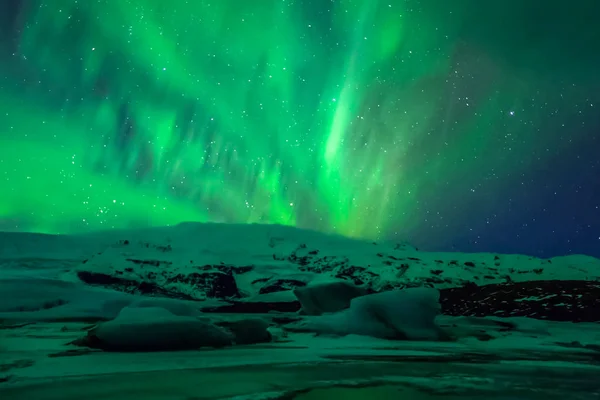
95,278
153,263
402,269
129,285
355,274
227,269
553,300
279,285
215,284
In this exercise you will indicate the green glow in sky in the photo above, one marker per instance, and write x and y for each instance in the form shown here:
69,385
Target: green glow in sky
340,116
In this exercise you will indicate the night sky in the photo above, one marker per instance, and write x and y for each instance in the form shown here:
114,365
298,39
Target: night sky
461,125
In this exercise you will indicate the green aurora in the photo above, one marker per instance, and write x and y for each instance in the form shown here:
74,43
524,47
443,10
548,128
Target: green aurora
345,116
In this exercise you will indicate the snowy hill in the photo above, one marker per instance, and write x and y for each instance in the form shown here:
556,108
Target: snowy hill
263,291
244,263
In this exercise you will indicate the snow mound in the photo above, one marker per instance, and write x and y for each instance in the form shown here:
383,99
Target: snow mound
407,314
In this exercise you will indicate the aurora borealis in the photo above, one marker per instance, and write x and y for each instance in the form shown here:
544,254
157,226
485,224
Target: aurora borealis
450,123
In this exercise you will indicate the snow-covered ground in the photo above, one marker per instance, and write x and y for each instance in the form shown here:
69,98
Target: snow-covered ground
73,308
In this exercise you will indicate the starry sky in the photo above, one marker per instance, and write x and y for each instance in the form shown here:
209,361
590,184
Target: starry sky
455,125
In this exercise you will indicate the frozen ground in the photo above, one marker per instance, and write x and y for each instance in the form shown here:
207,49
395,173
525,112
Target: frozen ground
512,326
